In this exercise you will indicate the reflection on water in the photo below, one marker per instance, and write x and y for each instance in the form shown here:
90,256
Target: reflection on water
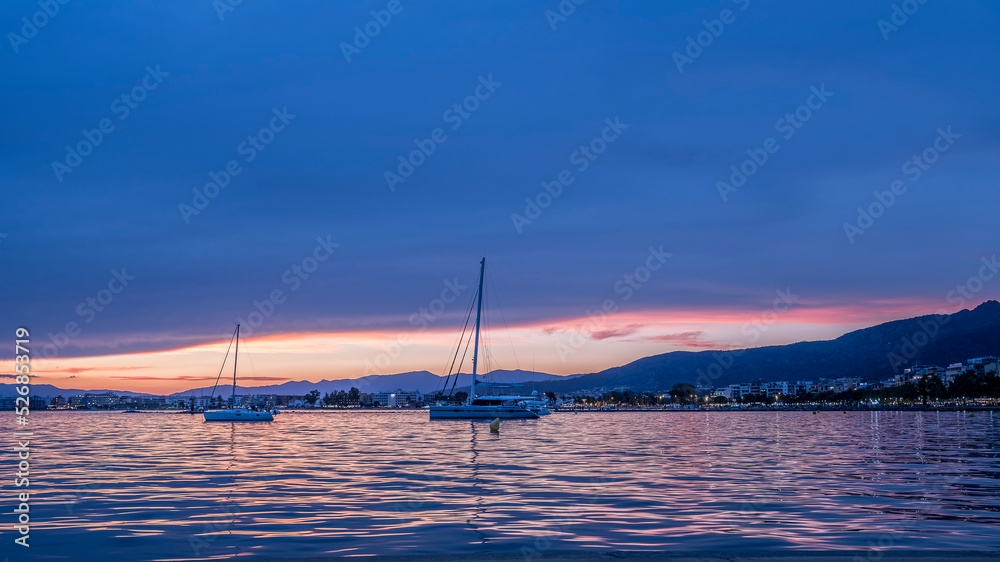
162,486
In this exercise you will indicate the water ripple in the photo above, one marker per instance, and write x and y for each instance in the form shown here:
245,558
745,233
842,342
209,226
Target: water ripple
161,486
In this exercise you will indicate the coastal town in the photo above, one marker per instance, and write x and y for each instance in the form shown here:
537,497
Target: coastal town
938,380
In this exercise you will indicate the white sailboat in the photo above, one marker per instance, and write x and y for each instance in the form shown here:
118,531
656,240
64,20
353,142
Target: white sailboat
483,407
242,413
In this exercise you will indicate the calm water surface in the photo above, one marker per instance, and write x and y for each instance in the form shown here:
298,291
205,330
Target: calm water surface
161,486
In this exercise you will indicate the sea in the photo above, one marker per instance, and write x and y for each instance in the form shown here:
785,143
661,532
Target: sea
169,486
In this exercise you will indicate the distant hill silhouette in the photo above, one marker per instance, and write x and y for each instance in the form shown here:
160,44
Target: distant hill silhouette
874,353
9,390
423,381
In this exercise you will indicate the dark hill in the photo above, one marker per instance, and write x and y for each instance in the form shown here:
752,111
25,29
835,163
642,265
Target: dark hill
874,353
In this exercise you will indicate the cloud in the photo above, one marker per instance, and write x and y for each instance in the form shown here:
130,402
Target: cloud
689,339
5,376
615,332
76,370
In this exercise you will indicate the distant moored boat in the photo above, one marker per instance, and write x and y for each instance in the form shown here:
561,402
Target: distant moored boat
242,413
483,407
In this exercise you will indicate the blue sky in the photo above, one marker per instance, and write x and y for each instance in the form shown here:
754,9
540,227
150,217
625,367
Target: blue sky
655,184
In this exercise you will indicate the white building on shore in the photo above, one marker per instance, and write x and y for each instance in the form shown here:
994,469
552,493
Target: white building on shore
398,398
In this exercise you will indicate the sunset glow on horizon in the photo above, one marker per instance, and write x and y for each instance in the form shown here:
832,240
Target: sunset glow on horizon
562,347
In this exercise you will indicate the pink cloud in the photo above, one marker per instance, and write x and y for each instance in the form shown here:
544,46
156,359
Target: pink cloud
616,332
689,339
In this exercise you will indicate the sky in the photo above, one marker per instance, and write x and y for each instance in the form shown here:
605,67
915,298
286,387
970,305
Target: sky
642,177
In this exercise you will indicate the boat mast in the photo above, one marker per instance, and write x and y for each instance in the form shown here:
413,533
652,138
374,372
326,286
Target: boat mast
235,358
479,312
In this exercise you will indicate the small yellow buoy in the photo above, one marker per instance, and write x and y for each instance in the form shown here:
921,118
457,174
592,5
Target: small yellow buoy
495,426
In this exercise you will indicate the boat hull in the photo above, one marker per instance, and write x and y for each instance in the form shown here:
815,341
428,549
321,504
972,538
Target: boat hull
238,416
480,413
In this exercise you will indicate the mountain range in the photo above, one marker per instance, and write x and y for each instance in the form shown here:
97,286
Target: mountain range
874,353
48,390
424,381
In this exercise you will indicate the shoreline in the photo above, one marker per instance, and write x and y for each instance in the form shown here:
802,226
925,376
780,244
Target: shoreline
692,556
819,408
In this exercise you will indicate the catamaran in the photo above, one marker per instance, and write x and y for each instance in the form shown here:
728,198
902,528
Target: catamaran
235,414
483,407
